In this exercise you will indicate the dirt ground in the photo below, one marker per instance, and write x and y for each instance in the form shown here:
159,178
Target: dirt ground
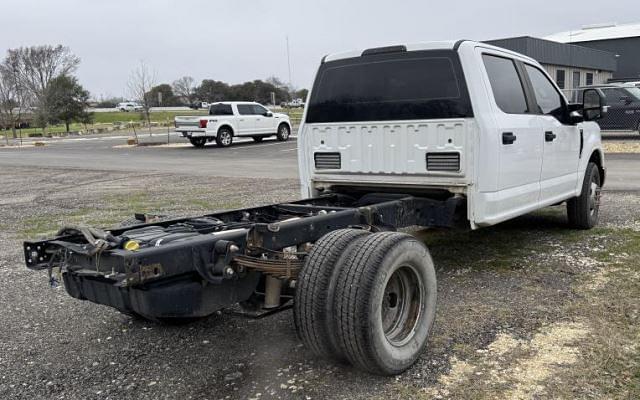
527,309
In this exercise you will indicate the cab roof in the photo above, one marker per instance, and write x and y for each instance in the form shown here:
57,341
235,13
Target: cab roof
436,45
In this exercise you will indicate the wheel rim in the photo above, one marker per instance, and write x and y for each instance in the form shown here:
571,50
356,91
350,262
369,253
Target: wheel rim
284,132
225,138
402,305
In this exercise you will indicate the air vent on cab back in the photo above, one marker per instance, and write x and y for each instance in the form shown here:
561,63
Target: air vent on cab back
447,162
327,160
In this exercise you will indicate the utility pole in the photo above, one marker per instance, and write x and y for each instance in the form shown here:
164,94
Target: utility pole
289,63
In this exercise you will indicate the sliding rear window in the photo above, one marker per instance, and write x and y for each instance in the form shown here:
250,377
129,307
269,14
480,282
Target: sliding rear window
386,87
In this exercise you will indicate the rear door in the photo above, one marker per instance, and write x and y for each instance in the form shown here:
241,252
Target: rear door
247,120
518,138
561,139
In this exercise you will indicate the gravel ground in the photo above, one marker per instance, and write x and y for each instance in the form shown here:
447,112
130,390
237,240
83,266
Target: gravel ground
507,302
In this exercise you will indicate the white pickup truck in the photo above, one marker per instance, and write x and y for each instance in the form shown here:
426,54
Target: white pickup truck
444,134
227,120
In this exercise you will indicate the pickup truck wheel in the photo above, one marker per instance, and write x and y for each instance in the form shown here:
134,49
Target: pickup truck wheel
583,211
385,302
314,291
283,132
198,142
257,139
224,137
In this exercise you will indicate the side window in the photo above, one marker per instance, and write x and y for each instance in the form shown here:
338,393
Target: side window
505,84
245,109
221,109
560,78
614,95
549,100
259,110
589,79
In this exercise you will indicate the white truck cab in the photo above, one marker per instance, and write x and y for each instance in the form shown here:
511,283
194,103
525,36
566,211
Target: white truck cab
452,119
227,120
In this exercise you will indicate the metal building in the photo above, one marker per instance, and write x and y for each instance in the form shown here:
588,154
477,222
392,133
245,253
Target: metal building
621,40
570,65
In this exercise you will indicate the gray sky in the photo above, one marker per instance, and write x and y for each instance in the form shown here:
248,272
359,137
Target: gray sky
236,41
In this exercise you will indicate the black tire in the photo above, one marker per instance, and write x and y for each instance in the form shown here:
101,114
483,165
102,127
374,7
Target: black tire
385,302
257,139
198,142
283,132
314,291
224,137
583,211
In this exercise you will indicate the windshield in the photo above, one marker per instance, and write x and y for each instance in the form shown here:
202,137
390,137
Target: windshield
633,92
405,86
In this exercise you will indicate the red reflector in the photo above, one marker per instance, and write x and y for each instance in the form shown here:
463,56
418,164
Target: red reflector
203,123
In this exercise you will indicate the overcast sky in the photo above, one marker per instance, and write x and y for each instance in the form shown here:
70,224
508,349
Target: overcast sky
237,41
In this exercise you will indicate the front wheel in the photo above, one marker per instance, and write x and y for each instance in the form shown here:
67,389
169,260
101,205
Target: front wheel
224,137
583,211
385,302
198,142
283,132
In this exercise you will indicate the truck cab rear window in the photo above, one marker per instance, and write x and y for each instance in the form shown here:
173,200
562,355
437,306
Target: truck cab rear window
408,86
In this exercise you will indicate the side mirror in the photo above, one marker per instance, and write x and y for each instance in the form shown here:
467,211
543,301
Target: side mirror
268,114
593,107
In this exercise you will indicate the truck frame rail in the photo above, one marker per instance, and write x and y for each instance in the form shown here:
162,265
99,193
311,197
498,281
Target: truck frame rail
191,267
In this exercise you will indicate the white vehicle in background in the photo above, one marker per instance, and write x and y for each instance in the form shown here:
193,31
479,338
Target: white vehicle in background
199,104
295,103
227,120
129,106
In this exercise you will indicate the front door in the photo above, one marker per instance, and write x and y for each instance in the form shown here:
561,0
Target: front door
561,140
264,124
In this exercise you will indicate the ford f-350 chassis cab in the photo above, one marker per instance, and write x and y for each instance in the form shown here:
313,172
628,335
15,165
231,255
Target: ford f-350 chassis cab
445,134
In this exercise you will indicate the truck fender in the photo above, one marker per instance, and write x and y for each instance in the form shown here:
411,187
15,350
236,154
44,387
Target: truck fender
591,152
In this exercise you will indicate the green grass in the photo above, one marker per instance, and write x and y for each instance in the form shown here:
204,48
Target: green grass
107,120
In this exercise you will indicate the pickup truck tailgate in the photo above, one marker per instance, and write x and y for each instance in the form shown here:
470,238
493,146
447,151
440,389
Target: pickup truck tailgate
188,124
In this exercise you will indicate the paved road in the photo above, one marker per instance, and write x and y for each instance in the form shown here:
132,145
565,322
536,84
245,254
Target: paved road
269,159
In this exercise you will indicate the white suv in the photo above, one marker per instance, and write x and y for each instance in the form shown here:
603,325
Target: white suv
129,106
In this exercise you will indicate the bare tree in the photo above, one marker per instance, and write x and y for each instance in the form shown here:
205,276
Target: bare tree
141,81
32,68
185,89
38,65
12,99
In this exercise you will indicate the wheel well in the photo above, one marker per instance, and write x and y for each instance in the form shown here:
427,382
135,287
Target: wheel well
596,158
284,123
226,126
